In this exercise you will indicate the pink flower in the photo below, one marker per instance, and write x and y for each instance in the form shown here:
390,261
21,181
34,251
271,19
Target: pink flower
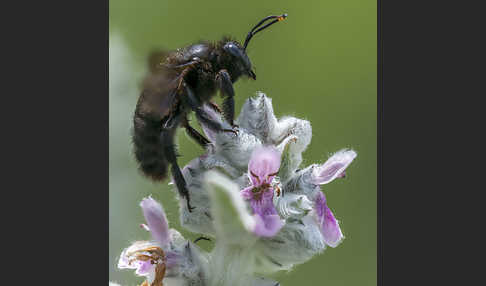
334,167
157,222
330,230
145,255
262,168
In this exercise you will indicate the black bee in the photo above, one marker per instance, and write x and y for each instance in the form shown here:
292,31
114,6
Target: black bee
182,81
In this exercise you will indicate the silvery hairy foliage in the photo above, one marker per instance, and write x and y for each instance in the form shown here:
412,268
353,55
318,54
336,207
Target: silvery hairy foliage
264,212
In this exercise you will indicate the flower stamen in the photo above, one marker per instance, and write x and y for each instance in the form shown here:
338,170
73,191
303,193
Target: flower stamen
156,255
273,174
159,275
277,190
255,176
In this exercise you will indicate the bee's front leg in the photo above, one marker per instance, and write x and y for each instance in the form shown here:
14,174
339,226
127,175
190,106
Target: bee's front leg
227,92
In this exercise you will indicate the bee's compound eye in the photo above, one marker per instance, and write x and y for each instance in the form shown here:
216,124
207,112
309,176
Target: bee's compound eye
232,49
235,51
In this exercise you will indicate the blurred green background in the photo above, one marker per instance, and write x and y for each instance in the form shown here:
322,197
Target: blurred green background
319,64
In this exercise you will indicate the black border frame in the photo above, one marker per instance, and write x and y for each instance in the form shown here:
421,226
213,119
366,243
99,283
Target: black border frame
55,127
379,132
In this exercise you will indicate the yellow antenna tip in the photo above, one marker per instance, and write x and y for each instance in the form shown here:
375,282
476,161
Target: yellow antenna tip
281,18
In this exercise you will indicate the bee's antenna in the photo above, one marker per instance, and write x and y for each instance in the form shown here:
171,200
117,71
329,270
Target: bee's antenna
255,30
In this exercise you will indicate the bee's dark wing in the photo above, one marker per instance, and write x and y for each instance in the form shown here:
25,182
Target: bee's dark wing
159,94
160,86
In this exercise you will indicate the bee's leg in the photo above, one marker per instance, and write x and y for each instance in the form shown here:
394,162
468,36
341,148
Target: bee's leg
192,63
169,148
226,87
201,114
194,134
179,80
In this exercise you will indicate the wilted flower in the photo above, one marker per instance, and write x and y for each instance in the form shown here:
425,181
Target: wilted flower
265,212
168,255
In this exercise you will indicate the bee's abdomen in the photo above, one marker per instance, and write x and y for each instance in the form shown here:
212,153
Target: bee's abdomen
148,148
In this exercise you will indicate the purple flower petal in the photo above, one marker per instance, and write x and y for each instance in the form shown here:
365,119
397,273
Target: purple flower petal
330,230
143,267
262,204
155,216
129,260
264,162
267,220
334,167
246,193
268,225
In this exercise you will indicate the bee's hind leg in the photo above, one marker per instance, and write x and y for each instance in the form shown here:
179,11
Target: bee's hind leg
167,140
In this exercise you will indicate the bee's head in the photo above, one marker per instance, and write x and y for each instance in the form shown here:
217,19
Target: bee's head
239,52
